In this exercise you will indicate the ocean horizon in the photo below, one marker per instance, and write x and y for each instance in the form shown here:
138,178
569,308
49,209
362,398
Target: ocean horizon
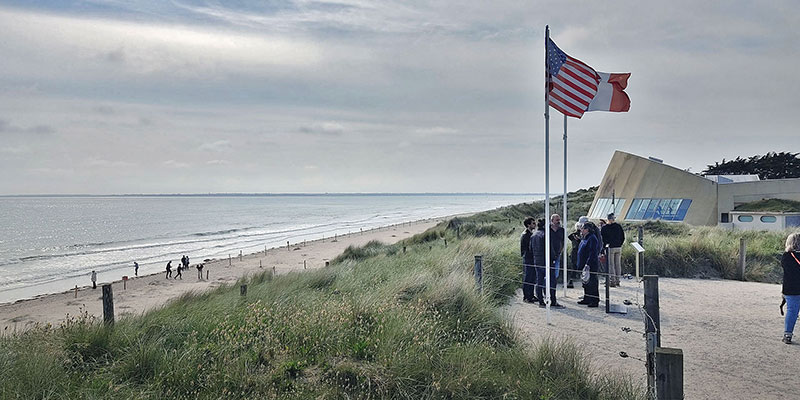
50,243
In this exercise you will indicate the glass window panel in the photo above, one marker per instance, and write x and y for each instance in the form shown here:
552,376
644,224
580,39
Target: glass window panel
618,208
651,208
642,208
682,209
745,218
597,208
792,220
632,210
769,219
661,208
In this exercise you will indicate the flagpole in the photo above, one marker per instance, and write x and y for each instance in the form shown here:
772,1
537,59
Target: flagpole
564,262
547,174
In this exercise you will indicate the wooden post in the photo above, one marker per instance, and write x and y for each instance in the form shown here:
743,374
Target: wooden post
243,290
327,263
445,242
206,274
669,373
259,264
742,257
640,257
125,282
229,260
404,249
304,264
479,273
240,255
650,363
76,291
108,304
653,317
287,246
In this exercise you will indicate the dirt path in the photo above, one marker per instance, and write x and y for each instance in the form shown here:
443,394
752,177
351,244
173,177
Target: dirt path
730,333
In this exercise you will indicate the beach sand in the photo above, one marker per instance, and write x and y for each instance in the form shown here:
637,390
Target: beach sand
147,292
730,333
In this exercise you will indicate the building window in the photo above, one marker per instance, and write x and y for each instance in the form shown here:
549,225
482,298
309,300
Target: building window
745,218
725,217
792,220
604,206
659,209
769,219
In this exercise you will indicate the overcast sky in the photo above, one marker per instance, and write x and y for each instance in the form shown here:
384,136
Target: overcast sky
116,96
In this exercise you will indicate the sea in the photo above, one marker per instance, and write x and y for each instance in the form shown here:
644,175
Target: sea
49,244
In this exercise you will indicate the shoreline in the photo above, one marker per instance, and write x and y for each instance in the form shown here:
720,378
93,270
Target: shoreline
146,292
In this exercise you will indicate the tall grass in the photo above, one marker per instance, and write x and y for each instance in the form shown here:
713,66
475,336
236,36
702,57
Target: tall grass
377,323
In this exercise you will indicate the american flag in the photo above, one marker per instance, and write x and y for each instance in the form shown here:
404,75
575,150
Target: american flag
573,84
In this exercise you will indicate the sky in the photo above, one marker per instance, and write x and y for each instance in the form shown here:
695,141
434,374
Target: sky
158,96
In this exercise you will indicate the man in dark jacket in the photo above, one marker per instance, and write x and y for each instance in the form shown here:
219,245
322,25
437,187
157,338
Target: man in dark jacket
613,237
538,249
528,269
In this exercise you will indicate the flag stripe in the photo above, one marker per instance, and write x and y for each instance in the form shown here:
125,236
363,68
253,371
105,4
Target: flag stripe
587,82
565,103
572,86
557,88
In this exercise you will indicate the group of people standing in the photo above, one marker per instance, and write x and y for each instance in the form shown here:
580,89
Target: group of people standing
587,241
184,265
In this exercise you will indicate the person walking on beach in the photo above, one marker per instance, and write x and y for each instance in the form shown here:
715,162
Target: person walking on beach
169,269
199,271
613,237
528,269
135,268
94,280
790,261
179,275
588,252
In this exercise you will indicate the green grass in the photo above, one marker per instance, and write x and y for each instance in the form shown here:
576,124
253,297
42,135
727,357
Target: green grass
773,205
377,323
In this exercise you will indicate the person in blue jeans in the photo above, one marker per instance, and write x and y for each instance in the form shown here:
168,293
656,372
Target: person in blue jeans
790,261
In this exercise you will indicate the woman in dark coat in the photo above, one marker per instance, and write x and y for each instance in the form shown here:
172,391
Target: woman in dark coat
588,251
790,261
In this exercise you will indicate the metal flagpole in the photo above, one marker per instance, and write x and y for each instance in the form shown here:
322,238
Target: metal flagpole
564,263
547,174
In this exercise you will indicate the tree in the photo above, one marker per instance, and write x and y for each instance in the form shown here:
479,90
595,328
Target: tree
769,166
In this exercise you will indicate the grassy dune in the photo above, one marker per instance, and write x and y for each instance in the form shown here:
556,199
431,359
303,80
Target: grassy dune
377,323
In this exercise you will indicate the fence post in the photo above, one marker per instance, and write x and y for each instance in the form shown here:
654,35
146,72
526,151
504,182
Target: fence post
108,304
650,363
229,259
304,264
640,257
243,290
287,246
404,249
742,257
240,255
669,373
479,273
653,317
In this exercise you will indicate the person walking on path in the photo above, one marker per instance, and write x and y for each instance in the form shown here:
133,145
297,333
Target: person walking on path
613,237
135,268
588,252
199,271
528,269
790,261
538,247
94,280
179,275
169,269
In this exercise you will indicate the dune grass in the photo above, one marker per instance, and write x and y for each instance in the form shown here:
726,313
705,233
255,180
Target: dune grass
377,323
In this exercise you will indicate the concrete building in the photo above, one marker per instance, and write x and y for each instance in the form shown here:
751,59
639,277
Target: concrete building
637,188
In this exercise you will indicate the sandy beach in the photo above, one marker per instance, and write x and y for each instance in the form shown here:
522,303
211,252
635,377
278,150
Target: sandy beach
730,333
146,292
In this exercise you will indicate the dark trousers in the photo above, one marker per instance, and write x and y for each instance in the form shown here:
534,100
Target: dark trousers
529,277
591,289
541,275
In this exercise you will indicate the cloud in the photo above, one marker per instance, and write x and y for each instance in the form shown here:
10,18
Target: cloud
219,145
42,129
218,162
324,128
437,130
94,162
176,164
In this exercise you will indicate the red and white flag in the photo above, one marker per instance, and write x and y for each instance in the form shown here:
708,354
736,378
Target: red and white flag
611,94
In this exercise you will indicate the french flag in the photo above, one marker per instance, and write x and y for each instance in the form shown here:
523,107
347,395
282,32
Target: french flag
611,94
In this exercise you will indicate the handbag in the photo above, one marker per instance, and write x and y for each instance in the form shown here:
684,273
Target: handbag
585,274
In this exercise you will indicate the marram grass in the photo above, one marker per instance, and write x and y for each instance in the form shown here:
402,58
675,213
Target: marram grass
378,323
